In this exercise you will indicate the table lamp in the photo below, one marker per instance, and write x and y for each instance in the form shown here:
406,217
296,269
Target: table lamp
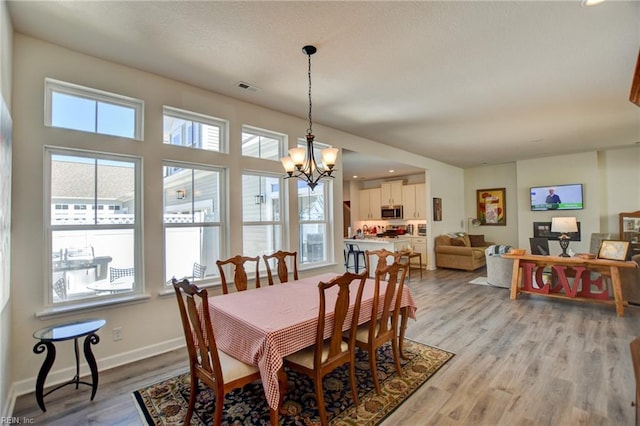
564,225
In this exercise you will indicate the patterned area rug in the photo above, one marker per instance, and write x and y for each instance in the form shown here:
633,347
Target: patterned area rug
165,403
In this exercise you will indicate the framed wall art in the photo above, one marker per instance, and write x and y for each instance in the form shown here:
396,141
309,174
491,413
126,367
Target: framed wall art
613,250
492,206
437,209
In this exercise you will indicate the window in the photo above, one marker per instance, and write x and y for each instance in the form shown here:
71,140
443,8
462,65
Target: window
261,214
192,220
313,216
189,129
87,245
81,108
262,144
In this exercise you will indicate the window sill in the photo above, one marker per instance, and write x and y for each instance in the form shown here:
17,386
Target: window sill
67,310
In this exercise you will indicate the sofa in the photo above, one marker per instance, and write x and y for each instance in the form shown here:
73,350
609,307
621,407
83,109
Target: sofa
461,251
499,269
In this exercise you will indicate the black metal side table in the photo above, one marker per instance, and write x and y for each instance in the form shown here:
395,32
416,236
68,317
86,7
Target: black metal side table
67,331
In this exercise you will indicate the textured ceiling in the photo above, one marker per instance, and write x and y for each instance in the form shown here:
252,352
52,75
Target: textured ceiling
466,83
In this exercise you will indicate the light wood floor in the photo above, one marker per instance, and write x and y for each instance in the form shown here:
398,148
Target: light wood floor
533,361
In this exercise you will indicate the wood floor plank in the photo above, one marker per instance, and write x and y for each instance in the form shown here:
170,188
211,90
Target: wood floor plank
526,362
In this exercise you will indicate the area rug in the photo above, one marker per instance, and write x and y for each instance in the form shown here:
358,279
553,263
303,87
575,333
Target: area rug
479,281
165,403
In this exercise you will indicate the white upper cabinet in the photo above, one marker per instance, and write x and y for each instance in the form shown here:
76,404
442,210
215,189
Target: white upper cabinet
370,204
391,193
414,200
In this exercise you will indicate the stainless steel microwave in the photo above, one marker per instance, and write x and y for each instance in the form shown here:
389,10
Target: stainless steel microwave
391,212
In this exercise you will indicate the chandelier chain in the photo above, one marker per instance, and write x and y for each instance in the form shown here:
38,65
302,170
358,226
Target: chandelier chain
309,130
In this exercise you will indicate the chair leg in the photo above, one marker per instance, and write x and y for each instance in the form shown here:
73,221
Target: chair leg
352,379
373,366
193,389
217,410
320,399
396,354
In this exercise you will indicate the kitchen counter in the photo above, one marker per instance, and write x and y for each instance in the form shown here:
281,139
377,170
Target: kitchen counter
378,243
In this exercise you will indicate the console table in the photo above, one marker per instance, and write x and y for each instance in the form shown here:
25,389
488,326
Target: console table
67,331
529,274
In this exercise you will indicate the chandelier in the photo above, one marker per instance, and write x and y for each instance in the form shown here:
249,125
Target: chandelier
301,163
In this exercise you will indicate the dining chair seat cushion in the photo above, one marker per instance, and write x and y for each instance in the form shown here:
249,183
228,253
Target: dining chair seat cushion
362,334
304,357
233,368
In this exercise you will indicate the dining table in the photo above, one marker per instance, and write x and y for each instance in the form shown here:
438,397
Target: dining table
262,326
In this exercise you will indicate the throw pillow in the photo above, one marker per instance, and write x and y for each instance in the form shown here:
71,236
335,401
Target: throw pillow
457,242
477,240
465,238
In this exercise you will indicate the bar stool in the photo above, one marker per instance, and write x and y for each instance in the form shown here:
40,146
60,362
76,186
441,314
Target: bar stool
353,251
410,255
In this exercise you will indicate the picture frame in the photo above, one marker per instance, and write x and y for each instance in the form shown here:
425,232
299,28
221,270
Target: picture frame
491,205
437,209
614,250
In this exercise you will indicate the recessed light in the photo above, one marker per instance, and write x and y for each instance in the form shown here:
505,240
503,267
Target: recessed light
588,3
392,171
355,176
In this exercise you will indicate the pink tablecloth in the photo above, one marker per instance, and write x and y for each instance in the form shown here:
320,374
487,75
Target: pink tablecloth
261,326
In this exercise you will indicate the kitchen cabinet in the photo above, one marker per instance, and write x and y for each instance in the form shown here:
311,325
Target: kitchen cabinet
369,204
414,200
391,193
419,245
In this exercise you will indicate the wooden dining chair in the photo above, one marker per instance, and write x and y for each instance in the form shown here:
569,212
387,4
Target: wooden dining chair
240,279
383,326
635,360
219,371
383,256
327,355
281,265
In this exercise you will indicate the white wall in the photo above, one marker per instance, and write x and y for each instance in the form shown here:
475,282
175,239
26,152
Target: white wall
6,358
489,177
153,325
611,182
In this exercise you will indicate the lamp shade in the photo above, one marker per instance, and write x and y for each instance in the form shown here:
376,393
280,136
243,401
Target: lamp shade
564,225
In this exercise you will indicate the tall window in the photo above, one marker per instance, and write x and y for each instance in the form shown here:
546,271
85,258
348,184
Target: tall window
81,108
261,214
262,144
313,215
94,251
192,220
193,130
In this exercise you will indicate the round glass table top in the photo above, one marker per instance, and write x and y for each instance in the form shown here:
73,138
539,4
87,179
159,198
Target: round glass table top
69,330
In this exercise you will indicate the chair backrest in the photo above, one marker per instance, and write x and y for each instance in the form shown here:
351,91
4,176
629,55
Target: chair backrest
198,332
383,255
198,270
281,264
351,247
115,273
341,310
240,279
60,287
385,321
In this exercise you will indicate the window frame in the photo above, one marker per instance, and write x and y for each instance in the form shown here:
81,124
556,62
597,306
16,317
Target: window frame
327,186
256,131
52,85
195,117
49,228
222,224
282,222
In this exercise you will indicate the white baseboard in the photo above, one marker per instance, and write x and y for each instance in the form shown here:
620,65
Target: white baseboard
56,377
9,403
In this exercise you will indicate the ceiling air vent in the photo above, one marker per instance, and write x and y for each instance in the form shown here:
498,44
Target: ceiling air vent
247,86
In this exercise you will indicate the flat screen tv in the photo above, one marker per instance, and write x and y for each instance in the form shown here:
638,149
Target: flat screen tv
557,197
